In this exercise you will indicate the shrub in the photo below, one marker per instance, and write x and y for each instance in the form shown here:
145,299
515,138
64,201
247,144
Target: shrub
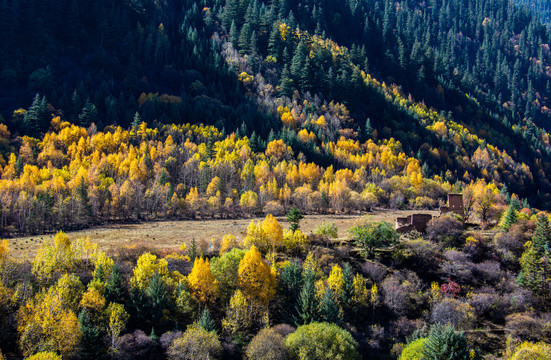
374,271
513,240
446,230
524,327
414,350
454,312
322,341
458,267
328,230
532,351
168,338
295,241
284,329
371,236
45,355
195,344
422,255
274,208
402,292
137,346
268,345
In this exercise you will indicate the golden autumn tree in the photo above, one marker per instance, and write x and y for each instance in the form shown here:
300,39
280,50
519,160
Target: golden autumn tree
146,267
238,315
53,257
335,281
266,235
118,317
202,282
93,302
70,290
45,324
255,278
228,243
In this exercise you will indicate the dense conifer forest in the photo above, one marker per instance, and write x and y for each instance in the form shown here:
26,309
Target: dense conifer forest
140,110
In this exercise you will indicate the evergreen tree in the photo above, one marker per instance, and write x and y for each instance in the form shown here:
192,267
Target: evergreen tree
115,290
329,309
532,274
510,218
209,142
307,307
293,217
193,251
88,114
542,236
274,41
348,283
91,338
290,284
443,343
85,208
157,296
286,84
234,35
136,121
298,61
245,38
205,321
37,117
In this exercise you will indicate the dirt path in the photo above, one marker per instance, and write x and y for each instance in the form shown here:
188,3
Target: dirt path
171,234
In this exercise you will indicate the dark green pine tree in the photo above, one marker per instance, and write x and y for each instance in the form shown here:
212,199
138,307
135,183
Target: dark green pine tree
286,84
305,78
88,115
253,44
542,236
255,142
511,217
37,117
289,285
157,295
368,131
136,121
115,290
299,60
85,208
244,39
19,165
348,283
232,13
91,338
209,142
307,304
271,136
443,343
329,309
274,41
531,275
293,217
285,57
205,321
234,35
193,251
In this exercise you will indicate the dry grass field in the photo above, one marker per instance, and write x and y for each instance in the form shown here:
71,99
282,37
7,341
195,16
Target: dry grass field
169,235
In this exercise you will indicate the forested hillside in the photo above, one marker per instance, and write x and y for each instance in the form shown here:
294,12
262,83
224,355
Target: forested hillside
462,85
139,110
542,9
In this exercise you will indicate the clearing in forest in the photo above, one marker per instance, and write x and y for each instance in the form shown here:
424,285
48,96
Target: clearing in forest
169,235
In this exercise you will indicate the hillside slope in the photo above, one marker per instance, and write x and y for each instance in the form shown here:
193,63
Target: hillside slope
463,85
